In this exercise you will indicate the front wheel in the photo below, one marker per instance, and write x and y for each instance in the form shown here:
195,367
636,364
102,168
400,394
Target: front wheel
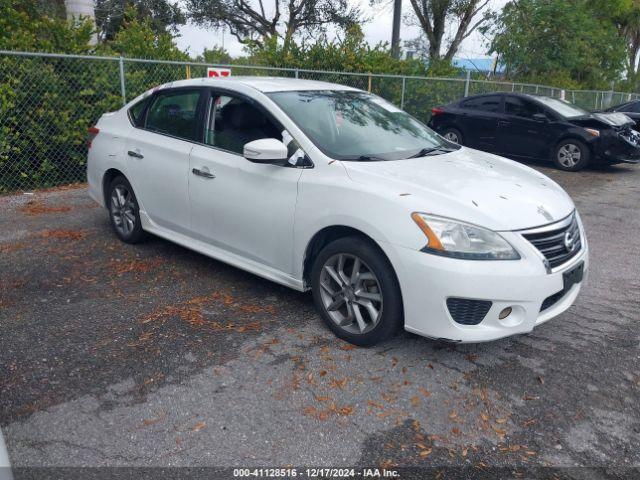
356,291
571,155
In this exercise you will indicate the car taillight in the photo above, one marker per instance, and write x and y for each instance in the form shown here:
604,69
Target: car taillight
93,132
436,111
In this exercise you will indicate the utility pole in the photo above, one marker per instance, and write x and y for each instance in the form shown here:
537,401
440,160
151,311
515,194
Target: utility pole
395,33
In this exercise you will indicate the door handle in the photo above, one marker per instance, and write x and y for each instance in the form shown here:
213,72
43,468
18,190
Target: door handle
202,173
503,123
133,154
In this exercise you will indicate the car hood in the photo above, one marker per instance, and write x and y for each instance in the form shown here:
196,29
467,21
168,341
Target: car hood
469,185
615,119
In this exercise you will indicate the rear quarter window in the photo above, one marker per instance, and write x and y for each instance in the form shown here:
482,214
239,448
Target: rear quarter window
490,103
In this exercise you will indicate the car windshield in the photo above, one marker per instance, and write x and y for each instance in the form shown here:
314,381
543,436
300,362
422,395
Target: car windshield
351,125
565,109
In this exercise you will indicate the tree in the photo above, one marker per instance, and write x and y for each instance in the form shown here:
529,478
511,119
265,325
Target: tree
138,39
558,42
23,26
215,56
253,23
350,53
162,15
434,17
627,21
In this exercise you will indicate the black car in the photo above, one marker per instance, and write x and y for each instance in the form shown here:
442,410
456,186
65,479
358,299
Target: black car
630,109
524,126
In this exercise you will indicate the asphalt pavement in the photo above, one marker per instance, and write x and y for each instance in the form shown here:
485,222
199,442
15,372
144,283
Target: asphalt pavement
153,355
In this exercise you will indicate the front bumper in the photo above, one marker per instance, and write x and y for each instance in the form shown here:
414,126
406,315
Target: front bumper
617,147
428,280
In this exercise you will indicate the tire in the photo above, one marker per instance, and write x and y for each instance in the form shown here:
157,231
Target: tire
124,212
571,155
453,135
342,304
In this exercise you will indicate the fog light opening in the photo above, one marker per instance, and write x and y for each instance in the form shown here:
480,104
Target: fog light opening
505,313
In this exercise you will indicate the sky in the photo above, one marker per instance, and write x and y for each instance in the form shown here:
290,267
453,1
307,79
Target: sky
195,39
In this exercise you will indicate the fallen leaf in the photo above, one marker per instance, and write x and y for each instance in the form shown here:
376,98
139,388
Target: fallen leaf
338,383
198,426
151,421
425,453
424,392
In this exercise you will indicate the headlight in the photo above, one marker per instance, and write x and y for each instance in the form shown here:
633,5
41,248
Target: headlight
462,240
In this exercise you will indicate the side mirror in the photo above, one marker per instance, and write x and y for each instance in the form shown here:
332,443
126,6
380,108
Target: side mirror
265,150
540,117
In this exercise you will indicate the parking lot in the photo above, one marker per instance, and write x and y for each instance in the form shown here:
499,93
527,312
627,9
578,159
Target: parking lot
153,355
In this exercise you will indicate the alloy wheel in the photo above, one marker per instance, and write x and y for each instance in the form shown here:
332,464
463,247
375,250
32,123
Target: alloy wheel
569,155
123,210
452,137
351,293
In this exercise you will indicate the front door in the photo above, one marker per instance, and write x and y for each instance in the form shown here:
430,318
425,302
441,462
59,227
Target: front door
158,157
243,207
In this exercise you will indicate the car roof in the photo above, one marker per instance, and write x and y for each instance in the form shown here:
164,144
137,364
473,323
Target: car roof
530,96
262,84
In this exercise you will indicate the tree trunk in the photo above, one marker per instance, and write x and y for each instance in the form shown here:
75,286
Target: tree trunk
395,32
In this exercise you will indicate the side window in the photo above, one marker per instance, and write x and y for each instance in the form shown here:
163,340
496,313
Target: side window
633,107
136,112
174,113
232,122
521,108
489,103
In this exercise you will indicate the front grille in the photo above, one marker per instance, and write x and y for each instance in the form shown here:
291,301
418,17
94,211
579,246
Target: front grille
551,300
466,311
558,245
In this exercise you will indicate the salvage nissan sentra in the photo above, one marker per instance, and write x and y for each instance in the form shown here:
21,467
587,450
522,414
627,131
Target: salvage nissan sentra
327,188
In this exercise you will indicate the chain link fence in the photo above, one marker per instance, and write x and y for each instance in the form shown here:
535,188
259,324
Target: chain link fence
47,102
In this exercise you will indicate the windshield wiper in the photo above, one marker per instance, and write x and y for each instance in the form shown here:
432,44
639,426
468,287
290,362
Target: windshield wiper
370,158
428,151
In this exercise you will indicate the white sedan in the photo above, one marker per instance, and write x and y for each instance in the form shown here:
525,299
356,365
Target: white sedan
327,188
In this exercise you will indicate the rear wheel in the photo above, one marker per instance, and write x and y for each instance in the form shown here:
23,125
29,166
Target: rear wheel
571,155
356,291
453,135
124,212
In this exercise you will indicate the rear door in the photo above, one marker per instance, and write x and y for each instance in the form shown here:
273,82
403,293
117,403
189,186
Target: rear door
520,134
158,156
479,121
